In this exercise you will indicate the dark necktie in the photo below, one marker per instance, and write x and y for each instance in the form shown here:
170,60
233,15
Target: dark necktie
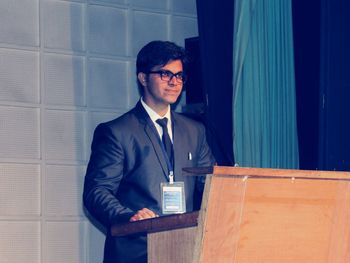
166,138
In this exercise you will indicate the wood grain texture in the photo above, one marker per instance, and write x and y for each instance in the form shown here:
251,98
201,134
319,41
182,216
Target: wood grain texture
272,215
339,247
286,221
222,220
174,246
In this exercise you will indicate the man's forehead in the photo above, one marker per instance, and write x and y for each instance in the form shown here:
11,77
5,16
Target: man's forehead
170,64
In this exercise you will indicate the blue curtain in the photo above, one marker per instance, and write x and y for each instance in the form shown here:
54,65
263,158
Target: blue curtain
264,108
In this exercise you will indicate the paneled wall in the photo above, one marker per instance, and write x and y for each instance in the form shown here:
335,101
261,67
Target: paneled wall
65,66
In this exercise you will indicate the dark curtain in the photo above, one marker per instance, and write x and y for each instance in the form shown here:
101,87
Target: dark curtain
215,27
322,66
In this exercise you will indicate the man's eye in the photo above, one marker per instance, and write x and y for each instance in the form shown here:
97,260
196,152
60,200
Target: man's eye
166,74
179,76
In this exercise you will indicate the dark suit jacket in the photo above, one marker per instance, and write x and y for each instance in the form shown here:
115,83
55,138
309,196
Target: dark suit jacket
126,168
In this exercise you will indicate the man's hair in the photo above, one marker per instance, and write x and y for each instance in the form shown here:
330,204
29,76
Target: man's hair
159,53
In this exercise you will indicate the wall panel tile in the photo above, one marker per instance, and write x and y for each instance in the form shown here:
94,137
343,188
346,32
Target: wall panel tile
19,242
107,30
108,83
64,25
109,1
154,4
65,242
148,27
64,80
184,6
64,190
19,22
19,76
64,133
20,189
19,132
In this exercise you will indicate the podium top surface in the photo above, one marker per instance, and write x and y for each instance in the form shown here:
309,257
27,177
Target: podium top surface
157,224
267,173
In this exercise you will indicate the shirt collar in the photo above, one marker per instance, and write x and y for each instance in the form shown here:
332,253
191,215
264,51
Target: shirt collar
154,115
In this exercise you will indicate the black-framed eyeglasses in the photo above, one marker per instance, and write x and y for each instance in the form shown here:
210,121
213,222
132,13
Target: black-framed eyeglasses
167,75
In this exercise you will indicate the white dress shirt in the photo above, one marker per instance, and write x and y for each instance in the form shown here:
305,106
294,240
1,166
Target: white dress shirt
155,116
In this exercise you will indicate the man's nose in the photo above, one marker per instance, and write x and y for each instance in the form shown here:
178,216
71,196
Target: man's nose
172,81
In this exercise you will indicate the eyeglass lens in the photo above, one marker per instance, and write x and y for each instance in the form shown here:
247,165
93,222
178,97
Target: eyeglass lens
166,75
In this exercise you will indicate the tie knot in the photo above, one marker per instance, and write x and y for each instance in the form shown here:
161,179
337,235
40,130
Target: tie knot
162,122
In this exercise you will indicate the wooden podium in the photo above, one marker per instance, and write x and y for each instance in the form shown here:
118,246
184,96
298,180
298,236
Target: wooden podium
253,215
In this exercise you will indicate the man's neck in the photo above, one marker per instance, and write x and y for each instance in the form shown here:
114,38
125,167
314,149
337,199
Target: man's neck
160,109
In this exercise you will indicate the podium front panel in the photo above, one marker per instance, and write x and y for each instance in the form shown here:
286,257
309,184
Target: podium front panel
274,220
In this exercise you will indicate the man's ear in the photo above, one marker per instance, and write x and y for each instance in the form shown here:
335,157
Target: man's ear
142,78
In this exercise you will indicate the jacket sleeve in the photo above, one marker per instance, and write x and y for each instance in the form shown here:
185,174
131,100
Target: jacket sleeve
205,158
103,176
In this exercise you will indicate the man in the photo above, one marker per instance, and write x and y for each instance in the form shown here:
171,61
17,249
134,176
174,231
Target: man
137,158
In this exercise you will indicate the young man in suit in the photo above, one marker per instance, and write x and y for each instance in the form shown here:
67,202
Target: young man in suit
137,157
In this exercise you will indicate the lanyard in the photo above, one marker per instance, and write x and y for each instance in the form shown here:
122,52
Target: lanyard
169,163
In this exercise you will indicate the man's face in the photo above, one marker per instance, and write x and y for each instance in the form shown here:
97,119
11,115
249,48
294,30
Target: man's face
159,93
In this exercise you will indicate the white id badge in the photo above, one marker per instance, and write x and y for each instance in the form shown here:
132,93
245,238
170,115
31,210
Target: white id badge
173,198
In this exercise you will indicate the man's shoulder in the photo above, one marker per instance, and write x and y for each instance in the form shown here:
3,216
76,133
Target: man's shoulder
124,121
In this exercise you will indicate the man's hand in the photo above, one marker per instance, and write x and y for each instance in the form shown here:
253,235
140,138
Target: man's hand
144,213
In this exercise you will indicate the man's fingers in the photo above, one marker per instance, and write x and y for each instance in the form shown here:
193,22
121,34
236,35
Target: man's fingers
147,213
144,213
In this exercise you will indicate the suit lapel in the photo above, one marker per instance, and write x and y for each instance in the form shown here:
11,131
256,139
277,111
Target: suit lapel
152,134
154,138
